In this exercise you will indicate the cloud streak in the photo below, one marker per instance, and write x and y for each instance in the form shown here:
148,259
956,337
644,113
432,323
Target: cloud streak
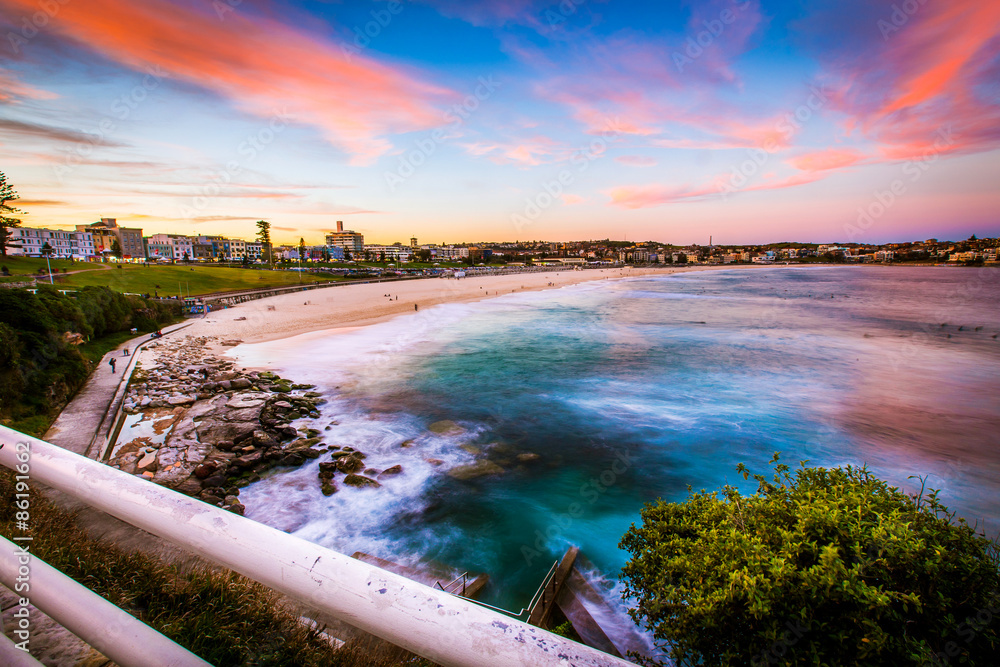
261,65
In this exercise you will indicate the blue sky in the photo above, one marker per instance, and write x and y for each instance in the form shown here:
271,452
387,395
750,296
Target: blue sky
467,121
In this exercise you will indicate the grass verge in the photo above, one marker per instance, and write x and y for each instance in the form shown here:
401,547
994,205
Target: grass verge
217,614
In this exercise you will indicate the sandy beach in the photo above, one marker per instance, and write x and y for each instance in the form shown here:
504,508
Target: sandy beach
364,304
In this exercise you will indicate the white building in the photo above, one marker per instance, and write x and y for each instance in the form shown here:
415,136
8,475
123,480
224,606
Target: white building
64,244
450,252
398,253
182,245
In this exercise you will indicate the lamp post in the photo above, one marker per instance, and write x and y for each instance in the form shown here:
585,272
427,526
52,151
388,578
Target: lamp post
49,264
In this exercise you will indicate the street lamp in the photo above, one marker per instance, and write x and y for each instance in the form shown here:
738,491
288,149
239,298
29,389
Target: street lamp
49,264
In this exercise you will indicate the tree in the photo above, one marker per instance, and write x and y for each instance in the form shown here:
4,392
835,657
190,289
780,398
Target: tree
817,567
116,248
264,236
7,194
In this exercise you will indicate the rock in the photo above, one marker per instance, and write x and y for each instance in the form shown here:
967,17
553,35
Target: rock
435,462
213,481
350,464
240,383
407,443
183,399
209,497
145,402
247,399
361,482
528,456
372,472
191,486
328,487
263,439
237,508
247,461
445,427
283,405
391,472
472,449
206,469
475,470
147,459
294,459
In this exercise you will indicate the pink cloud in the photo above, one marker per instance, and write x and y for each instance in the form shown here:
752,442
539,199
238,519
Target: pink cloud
646,196
636,160
925,77
265,67
825,160
528,152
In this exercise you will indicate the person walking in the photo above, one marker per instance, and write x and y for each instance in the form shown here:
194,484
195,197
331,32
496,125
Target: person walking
125,352
111,362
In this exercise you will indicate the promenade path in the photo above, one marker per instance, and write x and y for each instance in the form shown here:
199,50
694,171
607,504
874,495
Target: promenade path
79,422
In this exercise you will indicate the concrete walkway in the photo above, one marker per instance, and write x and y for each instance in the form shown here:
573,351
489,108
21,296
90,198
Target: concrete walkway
79,422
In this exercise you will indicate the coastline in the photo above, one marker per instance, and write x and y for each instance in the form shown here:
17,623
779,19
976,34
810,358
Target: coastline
361,305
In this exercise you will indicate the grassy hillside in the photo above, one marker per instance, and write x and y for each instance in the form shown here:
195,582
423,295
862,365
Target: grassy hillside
176,279
19,267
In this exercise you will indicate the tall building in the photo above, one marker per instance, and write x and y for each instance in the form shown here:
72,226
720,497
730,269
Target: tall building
347,240
107,231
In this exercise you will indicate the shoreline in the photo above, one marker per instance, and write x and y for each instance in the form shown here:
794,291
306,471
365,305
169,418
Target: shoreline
355,306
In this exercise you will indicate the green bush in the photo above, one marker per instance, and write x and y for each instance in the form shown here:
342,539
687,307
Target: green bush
819,566
39,370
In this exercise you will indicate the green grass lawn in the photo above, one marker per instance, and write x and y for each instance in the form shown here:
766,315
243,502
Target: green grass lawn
24,266
181,279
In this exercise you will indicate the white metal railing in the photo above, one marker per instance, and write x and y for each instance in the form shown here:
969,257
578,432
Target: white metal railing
436,625
117,634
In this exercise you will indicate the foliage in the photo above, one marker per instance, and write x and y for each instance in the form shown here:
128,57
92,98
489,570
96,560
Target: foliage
818,566
39,368
7,221
264,236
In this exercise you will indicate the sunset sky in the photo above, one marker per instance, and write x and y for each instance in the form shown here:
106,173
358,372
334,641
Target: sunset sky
456,120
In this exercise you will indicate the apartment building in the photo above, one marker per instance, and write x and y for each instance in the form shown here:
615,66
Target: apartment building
64,244
348,240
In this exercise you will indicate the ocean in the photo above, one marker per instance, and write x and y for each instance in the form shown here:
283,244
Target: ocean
597,398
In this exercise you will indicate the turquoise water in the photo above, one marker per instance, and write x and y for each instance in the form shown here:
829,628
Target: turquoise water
631,390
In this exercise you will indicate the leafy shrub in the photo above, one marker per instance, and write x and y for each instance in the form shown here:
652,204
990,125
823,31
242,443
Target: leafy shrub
817,567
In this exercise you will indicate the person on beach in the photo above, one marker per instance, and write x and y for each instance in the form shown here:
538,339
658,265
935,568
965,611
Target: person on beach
111,362
415,307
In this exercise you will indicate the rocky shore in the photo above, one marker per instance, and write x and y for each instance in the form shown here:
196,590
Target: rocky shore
197,424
